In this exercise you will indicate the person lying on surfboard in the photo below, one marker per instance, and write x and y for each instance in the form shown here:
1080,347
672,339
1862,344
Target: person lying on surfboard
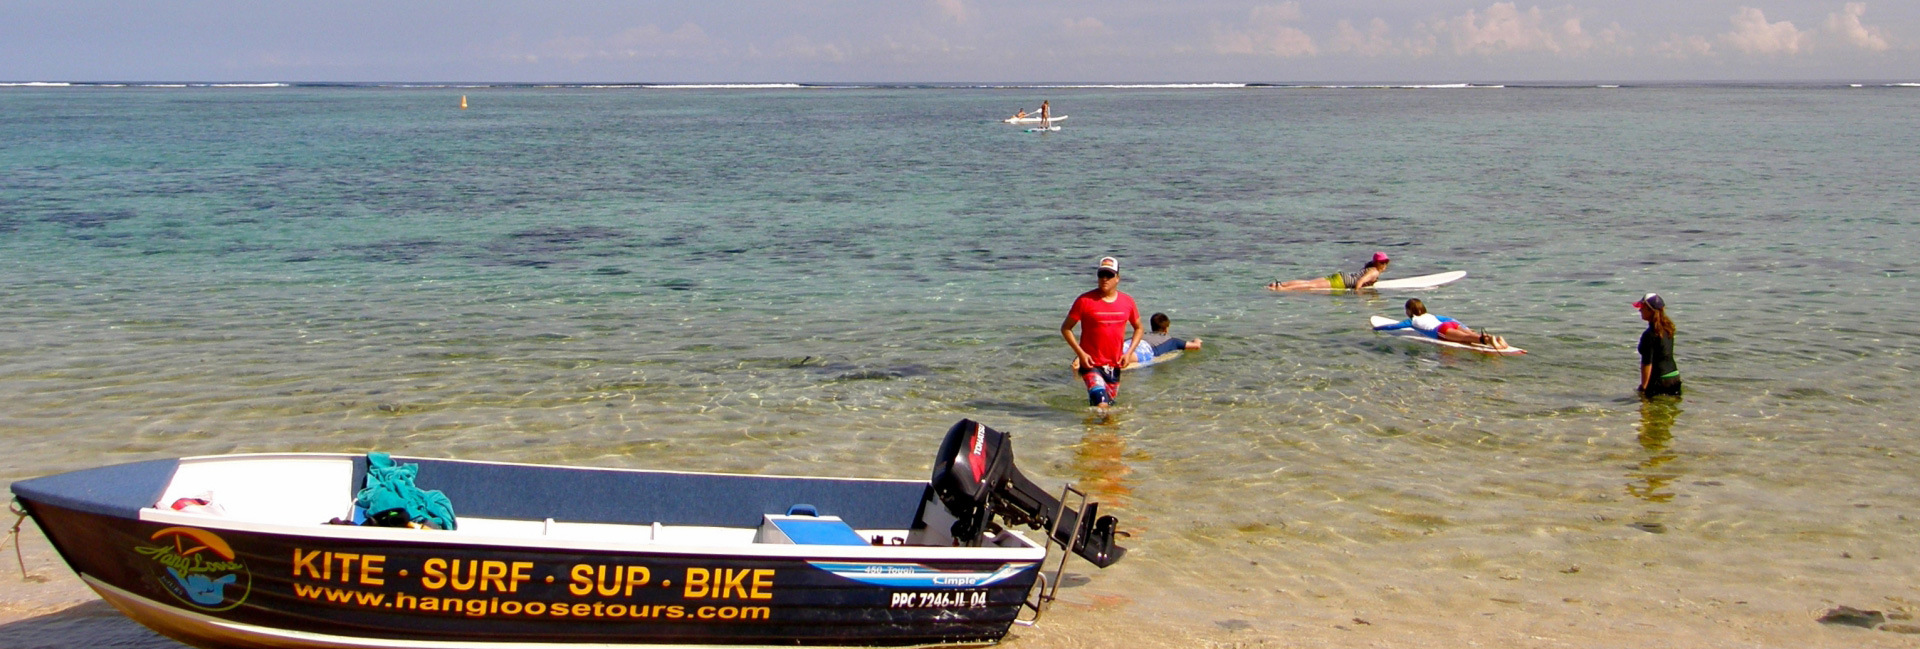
1338,281
1159,342
1442,327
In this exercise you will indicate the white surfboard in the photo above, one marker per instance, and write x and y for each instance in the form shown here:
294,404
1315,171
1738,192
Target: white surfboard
1157,359
1039,129
1031,119
1414,334
1421,282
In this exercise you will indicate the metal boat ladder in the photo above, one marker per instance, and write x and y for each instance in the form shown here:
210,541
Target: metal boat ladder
1042,594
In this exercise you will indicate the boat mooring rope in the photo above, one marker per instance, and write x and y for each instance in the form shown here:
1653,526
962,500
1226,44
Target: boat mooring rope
13,536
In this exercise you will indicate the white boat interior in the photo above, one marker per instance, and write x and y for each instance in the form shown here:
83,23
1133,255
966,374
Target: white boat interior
576,507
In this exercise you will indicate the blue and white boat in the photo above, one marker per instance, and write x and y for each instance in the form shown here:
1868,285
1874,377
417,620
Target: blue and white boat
260,550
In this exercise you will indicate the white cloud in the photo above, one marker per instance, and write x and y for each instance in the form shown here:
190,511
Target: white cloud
800,48
651,39
1267,33
1372,42
955,10
1504,28
1847,26
1280,13
643,42
1752,34
1681,47
1085,27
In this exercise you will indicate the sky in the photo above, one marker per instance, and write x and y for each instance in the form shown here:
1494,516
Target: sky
958,41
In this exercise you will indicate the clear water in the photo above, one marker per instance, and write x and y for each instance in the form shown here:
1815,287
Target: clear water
821,281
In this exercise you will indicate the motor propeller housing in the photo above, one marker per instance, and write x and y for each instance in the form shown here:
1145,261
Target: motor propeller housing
976,480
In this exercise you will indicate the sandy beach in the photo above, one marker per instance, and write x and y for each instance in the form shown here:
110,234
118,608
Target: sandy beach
1495,602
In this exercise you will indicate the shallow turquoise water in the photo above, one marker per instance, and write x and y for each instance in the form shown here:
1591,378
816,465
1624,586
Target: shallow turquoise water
820,281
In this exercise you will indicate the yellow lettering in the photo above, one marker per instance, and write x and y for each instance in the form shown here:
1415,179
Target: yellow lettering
735,583
600,582
519,575
472,575
371,567
493,572
346,563
582,583
433,574
305,563
696,583
762,584
636,577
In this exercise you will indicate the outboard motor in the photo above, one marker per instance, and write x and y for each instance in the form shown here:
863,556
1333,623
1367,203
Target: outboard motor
975,479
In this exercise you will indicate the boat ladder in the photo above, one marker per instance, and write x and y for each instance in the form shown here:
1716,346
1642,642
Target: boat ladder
1042,594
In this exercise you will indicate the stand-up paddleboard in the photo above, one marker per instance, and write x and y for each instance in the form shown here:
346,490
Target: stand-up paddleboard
1031,119
1042,129
1422,282
1414,334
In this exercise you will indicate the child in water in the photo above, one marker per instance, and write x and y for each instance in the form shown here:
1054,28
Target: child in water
1158,342
1442,327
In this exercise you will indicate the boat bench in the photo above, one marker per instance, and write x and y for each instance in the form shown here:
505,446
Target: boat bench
298,490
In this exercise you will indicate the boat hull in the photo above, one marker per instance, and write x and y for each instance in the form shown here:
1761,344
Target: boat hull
215,587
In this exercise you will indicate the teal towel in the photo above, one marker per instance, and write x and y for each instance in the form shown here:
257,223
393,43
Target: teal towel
390,486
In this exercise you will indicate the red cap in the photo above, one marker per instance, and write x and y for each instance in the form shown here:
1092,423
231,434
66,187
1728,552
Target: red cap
1380,257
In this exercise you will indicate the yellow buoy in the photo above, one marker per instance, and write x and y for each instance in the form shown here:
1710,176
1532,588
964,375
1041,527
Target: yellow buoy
463,102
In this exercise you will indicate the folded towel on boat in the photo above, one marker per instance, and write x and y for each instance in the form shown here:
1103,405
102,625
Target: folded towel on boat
390,487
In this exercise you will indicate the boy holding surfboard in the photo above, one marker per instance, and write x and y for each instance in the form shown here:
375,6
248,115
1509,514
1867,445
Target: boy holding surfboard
1103,314
1160,341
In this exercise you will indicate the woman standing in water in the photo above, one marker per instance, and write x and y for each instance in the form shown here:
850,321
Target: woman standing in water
1658,373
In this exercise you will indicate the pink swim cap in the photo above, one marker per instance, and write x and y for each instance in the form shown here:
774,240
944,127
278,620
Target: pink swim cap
1379,257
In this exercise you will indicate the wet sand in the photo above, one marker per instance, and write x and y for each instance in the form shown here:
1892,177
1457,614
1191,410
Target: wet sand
1515,604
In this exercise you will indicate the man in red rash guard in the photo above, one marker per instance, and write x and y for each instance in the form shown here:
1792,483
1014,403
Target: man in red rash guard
1103,314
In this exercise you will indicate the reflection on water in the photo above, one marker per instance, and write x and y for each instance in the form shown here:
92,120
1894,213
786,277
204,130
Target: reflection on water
1648,481
1100,467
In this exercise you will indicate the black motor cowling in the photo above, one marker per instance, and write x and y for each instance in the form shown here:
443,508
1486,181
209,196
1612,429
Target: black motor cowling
975,479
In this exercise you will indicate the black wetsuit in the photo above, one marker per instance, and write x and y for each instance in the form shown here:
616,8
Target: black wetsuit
1657,350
